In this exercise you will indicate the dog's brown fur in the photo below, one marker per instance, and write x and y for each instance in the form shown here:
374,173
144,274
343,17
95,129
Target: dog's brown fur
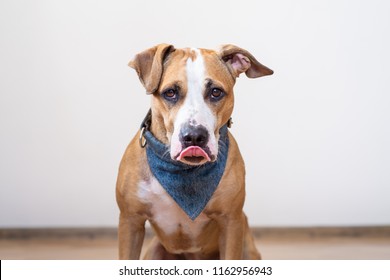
221,231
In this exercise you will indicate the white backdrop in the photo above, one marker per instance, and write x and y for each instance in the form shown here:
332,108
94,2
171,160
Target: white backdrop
315,135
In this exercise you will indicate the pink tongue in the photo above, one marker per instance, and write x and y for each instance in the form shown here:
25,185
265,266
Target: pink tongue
193,151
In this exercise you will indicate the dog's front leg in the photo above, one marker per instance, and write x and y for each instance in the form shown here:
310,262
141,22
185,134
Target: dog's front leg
131,233
231,237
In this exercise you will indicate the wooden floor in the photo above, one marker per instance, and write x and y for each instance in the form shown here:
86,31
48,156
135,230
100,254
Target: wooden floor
317,248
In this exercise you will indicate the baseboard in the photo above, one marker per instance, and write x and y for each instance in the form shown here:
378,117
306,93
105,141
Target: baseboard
263,232
58,233
323,232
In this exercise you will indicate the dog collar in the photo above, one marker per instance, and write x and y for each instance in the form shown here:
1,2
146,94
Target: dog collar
191,187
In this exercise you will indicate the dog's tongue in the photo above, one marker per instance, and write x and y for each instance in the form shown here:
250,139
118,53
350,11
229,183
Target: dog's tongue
193,151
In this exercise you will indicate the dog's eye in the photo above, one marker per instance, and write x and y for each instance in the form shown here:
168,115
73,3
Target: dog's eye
170,95
216,94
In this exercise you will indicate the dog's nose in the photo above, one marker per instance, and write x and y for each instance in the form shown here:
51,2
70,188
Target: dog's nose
194,136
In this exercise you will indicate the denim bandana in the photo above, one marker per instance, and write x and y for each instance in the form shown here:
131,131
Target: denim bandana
191,187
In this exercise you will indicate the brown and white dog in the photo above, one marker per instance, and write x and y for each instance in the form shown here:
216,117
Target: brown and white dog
192,94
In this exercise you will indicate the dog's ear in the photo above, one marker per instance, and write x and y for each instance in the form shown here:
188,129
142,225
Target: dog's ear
149,66
240,60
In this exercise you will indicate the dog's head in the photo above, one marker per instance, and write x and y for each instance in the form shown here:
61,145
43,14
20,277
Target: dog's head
192,95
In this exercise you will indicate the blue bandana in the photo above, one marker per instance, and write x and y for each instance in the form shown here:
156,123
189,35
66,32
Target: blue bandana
191,187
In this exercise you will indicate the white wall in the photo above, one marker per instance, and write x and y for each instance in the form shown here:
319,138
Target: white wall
315,135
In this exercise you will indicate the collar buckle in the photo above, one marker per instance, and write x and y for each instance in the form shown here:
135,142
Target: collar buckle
145,125
142,140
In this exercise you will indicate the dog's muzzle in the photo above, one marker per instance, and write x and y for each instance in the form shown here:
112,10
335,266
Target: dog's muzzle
194,141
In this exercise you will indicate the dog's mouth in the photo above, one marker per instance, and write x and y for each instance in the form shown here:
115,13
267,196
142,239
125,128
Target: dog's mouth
194,155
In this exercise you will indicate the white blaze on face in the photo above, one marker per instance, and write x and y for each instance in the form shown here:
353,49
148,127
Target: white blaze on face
194,110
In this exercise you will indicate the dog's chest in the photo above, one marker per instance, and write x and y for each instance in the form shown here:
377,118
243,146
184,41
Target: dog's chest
166,214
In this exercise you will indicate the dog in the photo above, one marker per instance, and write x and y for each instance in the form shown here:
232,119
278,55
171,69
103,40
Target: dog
183,171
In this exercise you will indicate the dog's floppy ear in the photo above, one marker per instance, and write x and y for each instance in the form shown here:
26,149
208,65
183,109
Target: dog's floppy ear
149,66
240,60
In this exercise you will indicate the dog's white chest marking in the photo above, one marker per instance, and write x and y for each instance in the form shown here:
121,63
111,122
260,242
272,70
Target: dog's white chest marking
166,214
